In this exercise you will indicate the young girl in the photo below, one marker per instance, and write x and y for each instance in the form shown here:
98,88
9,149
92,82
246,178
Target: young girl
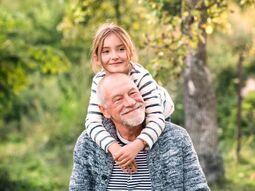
113,51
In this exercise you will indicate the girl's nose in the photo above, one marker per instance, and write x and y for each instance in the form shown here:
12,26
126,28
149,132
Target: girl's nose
114,55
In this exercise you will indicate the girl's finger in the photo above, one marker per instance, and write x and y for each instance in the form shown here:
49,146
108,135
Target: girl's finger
124,163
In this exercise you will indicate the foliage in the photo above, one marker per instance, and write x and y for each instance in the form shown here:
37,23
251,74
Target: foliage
49,79
224,50
239,176
22,52
81,21
39,155
180,28
248,115
35,151
227,102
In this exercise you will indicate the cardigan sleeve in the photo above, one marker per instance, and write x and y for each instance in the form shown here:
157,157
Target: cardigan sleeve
92,167
77,179
194,178
80,177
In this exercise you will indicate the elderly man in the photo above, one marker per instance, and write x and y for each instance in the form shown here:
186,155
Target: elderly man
171,164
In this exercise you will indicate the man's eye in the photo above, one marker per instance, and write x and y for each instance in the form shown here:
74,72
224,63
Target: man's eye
133,93
117,100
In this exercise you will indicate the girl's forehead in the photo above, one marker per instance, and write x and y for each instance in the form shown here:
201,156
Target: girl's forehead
120,36
109,40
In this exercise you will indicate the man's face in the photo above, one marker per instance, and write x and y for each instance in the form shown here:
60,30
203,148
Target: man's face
123,102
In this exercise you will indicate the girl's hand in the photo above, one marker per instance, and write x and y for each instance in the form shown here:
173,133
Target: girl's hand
114,148
126,155
131,168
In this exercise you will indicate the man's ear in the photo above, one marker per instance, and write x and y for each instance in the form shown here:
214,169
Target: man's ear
104,111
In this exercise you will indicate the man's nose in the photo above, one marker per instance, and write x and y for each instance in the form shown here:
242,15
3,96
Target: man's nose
129,101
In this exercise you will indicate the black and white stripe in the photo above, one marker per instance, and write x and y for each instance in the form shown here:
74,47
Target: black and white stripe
158,103
139,181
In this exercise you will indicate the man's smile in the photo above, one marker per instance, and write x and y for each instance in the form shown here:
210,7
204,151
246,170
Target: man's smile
129,110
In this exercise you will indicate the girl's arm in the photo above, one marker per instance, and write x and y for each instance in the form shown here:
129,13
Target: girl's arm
155,119
96,130
94,126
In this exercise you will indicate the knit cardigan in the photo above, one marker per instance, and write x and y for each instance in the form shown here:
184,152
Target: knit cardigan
172,161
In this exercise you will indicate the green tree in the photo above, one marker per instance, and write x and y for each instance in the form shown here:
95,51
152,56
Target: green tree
183,43
22,53
82,19
186,25
241,37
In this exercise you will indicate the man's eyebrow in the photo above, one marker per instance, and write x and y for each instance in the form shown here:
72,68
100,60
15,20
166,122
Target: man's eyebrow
117,95
132,89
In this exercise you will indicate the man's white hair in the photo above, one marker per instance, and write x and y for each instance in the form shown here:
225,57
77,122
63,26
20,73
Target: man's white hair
101,86
100,93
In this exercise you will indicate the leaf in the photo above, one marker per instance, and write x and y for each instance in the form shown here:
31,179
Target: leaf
209,29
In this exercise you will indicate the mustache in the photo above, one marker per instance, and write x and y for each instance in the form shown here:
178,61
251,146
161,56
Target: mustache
128,109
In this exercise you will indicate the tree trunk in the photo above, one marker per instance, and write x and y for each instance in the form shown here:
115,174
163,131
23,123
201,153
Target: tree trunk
200,111
239,105
117,11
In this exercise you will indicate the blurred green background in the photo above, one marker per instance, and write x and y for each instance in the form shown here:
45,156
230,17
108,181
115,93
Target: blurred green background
45,79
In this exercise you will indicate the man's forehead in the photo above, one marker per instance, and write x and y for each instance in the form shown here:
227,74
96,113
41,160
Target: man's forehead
119,86
117,79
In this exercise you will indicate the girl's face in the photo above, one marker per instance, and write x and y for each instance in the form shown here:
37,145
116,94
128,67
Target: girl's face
114,55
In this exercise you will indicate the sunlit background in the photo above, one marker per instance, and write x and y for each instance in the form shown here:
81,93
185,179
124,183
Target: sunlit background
45,79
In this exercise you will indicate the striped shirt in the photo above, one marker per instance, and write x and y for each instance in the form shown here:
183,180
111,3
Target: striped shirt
140,180
158,106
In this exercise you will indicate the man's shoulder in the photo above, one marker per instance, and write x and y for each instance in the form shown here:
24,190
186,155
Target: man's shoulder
174,129
83,137
174,133
83,143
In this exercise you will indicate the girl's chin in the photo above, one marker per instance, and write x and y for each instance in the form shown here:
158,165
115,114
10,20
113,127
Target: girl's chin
118,70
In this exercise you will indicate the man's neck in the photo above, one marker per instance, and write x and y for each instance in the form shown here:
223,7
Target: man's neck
129,133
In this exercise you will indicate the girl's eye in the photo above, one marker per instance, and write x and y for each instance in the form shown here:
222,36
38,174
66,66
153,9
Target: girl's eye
122,49
105,51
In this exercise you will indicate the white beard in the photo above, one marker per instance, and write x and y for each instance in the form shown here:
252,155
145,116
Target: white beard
135,121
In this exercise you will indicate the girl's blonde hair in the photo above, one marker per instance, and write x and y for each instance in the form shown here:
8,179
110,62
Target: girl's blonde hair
104,31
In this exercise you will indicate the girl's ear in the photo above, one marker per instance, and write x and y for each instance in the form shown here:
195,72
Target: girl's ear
104,111
96,60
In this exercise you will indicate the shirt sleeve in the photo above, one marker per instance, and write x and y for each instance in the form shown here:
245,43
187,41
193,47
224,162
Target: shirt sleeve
166,102
94,125
155,121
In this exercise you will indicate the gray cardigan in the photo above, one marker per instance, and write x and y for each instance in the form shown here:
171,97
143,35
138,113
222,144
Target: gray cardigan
172,163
